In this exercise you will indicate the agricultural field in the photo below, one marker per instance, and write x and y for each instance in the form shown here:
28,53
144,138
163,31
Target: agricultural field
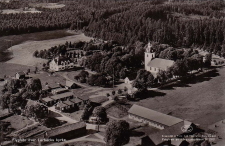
200,100
23,53
14,11
8,41
48,5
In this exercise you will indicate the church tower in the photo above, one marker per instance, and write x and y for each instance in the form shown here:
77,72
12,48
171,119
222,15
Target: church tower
149,55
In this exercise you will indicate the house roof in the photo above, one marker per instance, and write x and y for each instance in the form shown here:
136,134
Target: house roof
31,102
153,115
76,100
68,102
21,73
60,90
63,95
160,63
61,105
84,97
69,83
65,129
59,59
172,130
46,99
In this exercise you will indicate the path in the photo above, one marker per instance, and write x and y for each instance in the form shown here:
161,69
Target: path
63,117
104,104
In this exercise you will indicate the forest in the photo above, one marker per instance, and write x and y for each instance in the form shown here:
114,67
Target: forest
179,24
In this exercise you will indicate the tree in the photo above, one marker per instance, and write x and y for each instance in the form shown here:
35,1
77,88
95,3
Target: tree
143,80
117,133
34,85
51,122
179,68
100,113
113,92
208,59
87,112
162,76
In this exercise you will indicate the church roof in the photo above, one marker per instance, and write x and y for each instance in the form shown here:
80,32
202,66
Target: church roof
160,63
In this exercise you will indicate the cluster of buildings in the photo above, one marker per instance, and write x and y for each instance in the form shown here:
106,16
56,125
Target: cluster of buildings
64,100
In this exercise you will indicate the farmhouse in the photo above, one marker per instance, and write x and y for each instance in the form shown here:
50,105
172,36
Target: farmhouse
60,63
154,65
71,85
20,75
153,118
47,101
69,104
62,97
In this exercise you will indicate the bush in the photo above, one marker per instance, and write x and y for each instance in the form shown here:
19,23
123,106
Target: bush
119,91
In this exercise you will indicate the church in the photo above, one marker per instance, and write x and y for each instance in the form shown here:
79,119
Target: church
154,65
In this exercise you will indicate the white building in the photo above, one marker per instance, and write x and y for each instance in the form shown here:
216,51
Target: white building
61,63
151,117
154,65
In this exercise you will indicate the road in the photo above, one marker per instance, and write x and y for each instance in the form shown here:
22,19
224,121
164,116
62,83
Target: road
63,117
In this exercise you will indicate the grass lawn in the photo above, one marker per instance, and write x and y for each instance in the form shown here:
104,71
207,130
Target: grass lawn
52,80
18,122
201,100
86,143
11,69
75,115
118,110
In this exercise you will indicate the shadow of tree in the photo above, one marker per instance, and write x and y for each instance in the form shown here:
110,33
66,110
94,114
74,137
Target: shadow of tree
134,133
186,82
54,114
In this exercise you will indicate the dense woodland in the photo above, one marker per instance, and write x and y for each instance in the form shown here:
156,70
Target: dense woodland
177,24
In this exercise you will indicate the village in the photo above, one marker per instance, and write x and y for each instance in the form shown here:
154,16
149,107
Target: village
56,104
112,73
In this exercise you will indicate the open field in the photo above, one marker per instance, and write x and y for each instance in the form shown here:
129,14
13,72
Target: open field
14,11
200,101
8,41
11,69
48,5
23,53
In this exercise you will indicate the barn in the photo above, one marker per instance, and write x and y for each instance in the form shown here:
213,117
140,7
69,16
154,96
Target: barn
153,118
